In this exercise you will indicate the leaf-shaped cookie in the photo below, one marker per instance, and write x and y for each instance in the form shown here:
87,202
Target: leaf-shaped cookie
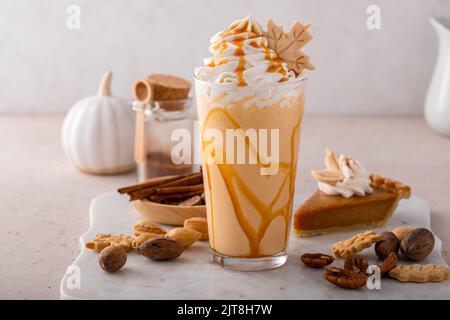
297,37
327,176
331,160
302,62
273,34
288,45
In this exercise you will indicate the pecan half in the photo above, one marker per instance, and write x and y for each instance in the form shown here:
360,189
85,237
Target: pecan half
316,260
356,263
345,278
389,263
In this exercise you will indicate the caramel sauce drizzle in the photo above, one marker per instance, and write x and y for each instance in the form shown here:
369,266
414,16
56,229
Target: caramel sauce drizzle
229,174
212,64
254,45
239,36
239,52
275,64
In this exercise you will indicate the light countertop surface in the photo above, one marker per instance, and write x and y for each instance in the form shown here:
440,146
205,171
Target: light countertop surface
44,201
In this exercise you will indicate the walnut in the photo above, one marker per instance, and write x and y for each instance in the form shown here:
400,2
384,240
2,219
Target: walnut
316,260
345,278
389,263
356,263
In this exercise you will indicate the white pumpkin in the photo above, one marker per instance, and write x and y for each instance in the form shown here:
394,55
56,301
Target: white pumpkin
98,133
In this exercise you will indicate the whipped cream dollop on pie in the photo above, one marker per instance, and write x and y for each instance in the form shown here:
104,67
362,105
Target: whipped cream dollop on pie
241,56
343,176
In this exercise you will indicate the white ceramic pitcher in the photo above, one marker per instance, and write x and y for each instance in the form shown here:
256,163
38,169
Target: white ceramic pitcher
437,104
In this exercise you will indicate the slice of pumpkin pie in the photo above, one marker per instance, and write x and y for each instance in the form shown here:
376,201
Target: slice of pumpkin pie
348,197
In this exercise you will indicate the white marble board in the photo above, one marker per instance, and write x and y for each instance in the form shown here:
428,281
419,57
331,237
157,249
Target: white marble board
192,276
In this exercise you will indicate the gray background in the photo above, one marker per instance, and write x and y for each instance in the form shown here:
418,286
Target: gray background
45,68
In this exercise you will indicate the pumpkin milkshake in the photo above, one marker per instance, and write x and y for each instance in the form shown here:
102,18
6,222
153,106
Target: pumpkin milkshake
250,101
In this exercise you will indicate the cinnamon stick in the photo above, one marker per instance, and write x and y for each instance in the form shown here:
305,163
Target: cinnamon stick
191,179
147,184
147,188
174,197
181,189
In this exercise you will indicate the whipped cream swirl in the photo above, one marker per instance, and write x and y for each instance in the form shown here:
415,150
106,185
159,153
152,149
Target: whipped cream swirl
356,180
241,56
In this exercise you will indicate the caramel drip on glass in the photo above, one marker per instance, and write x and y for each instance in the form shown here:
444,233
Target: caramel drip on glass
229,174
208,179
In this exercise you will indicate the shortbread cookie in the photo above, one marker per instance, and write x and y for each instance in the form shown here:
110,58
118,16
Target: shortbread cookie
103,240
148,227
355,244
420,273
288,45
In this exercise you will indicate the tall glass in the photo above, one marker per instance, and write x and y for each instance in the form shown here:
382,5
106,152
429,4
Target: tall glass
249,141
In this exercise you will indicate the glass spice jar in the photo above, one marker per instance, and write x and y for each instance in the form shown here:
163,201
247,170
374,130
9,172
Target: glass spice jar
156,123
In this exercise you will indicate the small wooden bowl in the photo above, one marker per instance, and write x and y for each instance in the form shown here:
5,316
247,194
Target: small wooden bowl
167,213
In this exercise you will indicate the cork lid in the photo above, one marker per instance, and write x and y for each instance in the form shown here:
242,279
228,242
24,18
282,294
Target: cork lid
168,87
161,87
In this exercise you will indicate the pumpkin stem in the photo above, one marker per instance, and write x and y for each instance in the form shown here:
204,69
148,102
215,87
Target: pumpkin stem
105,85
